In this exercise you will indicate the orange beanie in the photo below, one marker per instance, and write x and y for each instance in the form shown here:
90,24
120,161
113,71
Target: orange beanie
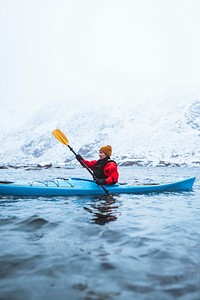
106,149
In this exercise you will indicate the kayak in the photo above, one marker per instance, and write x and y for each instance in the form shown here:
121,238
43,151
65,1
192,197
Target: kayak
80,186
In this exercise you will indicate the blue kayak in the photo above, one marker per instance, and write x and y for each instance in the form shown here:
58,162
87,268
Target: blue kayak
79,186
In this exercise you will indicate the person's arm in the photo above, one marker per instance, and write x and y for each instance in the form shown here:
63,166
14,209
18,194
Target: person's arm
89,164
111,171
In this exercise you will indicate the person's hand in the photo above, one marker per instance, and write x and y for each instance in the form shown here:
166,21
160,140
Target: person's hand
79,157
101,181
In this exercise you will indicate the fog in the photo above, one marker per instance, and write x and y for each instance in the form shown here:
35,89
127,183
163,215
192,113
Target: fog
96,51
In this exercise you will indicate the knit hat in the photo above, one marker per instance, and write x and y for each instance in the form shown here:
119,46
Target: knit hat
106,149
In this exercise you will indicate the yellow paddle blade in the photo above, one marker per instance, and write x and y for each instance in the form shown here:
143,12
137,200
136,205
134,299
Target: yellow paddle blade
59,135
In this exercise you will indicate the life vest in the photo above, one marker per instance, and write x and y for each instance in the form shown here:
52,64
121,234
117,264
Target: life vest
99,167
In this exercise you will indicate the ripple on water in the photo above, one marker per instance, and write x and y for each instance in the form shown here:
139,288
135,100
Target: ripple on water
142,247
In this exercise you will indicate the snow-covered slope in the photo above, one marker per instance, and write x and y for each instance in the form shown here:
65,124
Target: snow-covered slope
164,133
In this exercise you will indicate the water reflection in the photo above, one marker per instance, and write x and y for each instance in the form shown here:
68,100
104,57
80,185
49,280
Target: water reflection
104,210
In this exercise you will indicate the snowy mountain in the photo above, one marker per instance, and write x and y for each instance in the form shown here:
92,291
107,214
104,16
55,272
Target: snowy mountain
158,133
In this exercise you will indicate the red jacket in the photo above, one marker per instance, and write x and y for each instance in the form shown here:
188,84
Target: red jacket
110,170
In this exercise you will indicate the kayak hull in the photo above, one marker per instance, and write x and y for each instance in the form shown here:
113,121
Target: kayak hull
78,186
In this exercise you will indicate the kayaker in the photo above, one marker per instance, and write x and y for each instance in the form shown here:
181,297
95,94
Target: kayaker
104,169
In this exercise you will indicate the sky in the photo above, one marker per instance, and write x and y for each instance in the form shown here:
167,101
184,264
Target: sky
97,51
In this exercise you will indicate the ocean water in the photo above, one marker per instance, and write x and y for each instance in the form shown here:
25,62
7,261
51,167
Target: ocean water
95,248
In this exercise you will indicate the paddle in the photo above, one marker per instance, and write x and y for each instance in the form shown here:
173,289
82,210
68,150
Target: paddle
60,136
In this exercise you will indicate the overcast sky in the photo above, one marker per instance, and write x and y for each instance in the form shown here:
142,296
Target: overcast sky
96,50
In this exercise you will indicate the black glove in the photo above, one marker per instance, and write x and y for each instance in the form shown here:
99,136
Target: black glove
79,157
101,181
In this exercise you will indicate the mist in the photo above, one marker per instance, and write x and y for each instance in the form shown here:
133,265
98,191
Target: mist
111,52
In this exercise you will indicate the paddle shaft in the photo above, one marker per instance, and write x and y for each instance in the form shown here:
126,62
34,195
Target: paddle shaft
95,178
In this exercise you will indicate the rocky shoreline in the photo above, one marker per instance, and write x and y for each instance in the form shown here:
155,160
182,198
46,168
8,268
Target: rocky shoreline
124,163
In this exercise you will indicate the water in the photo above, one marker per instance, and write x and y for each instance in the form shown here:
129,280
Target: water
130,247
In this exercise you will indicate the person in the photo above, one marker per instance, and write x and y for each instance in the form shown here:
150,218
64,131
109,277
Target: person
104,169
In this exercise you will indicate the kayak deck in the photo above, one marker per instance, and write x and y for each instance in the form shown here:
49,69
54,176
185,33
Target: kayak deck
80,186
